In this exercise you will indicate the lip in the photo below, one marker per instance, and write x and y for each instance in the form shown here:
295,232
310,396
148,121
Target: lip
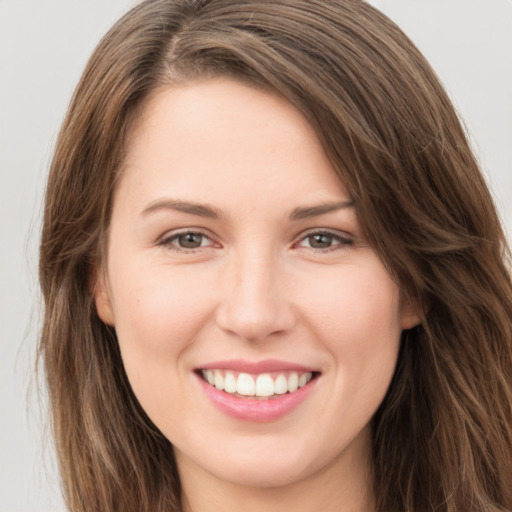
255,367
251,409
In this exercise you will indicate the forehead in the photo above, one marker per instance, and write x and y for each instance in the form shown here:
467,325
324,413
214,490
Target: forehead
219,138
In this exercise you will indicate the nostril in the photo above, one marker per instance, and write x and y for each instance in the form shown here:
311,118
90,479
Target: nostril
254,324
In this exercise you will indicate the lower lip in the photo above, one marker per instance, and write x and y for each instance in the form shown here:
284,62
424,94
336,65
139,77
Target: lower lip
256,410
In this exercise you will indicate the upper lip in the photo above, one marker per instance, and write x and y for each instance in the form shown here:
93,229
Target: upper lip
255,367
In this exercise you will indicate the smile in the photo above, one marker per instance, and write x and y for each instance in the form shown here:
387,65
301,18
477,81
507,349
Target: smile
258,386
261,391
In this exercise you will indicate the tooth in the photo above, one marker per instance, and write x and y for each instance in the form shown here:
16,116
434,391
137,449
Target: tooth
293,382
245,385
229,383
280,385
304,379
264,385
218,380
208,375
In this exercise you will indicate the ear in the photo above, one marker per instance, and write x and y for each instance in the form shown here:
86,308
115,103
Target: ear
411,314
102,299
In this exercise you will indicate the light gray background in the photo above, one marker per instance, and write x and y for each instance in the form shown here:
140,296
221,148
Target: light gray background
43,48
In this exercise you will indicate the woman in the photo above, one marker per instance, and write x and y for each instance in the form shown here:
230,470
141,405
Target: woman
274,277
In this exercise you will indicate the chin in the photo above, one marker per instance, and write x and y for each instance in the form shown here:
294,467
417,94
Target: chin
262,475
254,466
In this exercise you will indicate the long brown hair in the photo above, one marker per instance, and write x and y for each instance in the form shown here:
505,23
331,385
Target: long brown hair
442,438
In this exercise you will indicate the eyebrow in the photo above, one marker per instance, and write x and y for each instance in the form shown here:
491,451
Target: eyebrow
321,209
207,211
200,210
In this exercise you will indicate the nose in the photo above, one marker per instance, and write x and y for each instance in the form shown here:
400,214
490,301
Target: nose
255,305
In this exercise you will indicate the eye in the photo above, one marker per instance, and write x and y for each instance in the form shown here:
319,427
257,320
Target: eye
187,241
324,240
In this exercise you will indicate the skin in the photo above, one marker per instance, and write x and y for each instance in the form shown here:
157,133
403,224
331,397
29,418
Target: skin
257,285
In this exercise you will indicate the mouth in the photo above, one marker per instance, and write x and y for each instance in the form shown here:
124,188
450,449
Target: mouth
256,386
257,391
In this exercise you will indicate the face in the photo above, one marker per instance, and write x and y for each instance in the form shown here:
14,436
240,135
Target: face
258,329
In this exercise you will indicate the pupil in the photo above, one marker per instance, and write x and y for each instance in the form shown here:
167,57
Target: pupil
321,241
190,240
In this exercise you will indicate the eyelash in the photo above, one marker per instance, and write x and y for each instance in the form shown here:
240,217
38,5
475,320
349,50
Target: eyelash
167,241
341,241
338,241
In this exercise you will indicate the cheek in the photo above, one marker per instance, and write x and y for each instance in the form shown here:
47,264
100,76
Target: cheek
357,317
152,305
158,314
356,303
361,331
